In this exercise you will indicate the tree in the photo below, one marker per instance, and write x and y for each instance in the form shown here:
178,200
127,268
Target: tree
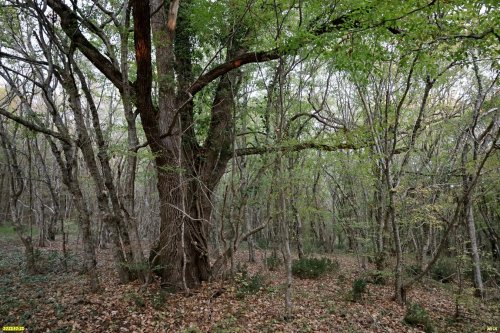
171,71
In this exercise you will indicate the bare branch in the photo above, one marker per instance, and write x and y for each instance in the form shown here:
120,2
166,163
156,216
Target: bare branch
34,127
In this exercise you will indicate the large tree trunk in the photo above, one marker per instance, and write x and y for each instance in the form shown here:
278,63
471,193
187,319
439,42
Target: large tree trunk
90,261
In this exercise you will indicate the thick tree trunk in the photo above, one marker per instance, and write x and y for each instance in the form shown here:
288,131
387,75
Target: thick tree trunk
182,251
89,253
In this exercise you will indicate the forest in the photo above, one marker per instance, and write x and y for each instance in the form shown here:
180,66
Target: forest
249,166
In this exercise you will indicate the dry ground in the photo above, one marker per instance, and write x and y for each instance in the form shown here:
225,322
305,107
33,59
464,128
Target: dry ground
58,301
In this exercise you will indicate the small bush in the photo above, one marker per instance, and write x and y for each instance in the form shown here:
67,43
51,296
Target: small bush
159,300
444,270
312,268
253,284
380,260
417,316
358,289
413,270
273,262
378,277
55,262
489,270
248,285
136,298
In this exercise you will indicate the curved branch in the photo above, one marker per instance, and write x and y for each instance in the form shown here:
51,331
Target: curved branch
71,26
297,147
246,58
34,127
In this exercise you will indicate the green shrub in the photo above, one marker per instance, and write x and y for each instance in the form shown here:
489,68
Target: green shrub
312,268
413,270
358,289
159,300
136,298
55,262
380,259
378,277
490,271
443,270
248,285
262,243
417,316
253,284
273,262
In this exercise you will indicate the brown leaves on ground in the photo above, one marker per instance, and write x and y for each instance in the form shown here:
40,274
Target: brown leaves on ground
61,303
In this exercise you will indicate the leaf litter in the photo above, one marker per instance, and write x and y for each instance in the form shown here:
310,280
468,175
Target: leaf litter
59,302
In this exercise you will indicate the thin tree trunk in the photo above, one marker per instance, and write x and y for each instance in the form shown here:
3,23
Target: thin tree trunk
17,185
476,261
400,294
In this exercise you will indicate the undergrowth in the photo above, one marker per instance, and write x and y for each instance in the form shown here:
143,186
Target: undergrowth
312,268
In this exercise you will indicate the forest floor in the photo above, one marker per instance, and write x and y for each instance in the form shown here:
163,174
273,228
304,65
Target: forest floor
58,301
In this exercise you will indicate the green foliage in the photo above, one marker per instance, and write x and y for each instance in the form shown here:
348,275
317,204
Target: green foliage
11,261
159,299
417,316
378,277
226,325
359,288
413,270
9,302
248,285
34,279
311,246
444,270
55,262
137,299
137,267
312,268
273,262
6,230
490,271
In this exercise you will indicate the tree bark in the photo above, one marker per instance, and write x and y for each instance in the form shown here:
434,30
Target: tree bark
476,260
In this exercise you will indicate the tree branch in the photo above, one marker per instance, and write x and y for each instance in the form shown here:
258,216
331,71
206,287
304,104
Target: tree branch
297,147
246,58
71,26
264,56
34,127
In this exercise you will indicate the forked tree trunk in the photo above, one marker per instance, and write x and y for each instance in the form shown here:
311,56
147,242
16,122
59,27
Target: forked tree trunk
68,168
